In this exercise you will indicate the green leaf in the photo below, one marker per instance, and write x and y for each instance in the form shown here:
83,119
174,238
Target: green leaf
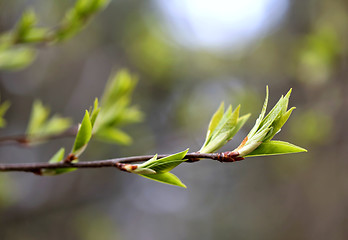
3,108
113,135
215,119
39,125
58,157
275,148
55,125
261,116
16,58
162,167
240,122
118,87
167,178
94,113
38,117
279,123
83,136
25,24
166,163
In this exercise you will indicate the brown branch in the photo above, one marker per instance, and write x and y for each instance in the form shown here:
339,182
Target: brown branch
116,162
25,140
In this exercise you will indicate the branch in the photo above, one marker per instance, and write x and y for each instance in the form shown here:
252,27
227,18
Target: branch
116,162
25,139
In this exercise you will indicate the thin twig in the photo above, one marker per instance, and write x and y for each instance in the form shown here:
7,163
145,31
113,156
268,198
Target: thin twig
24,139
116,162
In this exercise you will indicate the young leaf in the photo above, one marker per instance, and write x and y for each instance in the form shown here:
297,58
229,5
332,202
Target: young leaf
265,129
55,125
39,115
83,136
25,25
275,148
222,128
171,159
261,116
162,167
94,113
114,135
16,58
167,178
215,120
39,125
3,108
58,157
240,122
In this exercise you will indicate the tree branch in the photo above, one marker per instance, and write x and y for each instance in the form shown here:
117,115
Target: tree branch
116,162
24,139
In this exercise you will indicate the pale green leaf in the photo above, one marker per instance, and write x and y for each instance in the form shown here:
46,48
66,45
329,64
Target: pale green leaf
215,119
261,116
155,162
119,86
113,135
38,117
223,124
275,148
55,125
3,108
16,58
240,122
25,24
277,125
58,157
167,178
215,143
162,167
94,113
83,136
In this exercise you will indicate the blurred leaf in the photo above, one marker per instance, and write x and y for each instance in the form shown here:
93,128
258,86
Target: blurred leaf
275,148
116,110
83,136
3,109
16,58
55,125
114,135
120,86
39,115
77,17
167,178
39,124
25,25
94,113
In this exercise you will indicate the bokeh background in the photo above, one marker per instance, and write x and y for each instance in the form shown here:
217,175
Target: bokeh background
189,55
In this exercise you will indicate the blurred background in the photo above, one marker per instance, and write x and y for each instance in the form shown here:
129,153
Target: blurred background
189,55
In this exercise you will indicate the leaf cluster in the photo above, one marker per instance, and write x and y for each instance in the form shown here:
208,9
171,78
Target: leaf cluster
102,121
222,127
17,47
258,141
41,125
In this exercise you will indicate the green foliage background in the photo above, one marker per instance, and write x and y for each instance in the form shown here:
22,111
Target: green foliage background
283,197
